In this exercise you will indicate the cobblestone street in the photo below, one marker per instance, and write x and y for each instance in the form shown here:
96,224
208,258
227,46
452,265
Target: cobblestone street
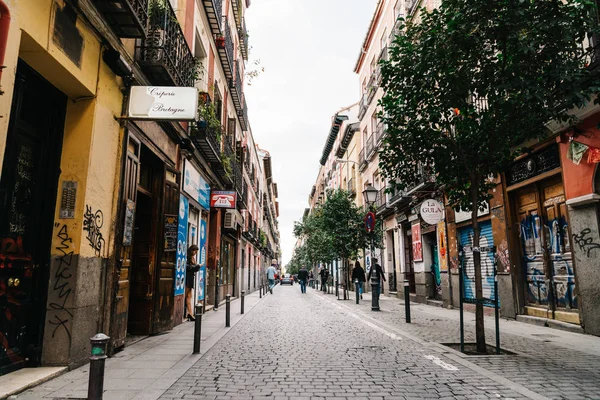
313,346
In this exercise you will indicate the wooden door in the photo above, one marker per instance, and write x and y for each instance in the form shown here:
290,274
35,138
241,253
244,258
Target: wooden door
28,189
129,197
165,274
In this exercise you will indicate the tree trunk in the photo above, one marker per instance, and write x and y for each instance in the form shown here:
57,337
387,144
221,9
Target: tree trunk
479,323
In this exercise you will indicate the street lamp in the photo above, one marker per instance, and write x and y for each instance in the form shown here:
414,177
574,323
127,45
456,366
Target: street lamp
370,197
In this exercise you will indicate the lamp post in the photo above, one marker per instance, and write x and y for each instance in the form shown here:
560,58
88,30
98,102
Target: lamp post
370,197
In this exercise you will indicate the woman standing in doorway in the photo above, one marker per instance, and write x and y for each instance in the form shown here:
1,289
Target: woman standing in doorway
190,272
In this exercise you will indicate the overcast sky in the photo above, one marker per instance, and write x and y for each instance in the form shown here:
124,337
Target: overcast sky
308,49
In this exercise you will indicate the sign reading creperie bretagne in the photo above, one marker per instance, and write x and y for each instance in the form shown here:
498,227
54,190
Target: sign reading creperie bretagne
163,103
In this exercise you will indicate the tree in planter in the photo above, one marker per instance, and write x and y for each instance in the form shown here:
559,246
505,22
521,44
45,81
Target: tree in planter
474,81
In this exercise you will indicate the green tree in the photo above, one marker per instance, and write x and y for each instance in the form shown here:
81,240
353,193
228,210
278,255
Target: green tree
474,81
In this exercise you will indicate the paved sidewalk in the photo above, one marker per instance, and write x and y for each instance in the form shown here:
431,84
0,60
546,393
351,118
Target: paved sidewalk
146,369
550,362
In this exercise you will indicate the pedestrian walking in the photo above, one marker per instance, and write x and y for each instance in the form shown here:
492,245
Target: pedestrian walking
271,272
358,274
190,273
302,277
311,279
378,274
324,277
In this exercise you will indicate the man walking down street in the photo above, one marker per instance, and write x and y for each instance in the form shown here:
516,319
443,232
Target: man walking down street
324,276
358,275
378,275
271,271
302,277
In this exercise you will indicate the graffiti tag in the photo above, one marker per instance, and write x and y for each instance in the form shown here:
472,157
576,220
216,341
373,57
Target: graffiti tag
62,287
585,243
92,222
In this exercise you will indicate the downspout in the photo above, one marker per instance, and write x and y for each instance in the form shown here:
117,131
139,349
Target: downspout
4,25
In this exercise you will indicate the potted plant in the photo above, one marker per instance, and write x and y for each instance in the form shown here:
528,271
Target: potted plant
220,41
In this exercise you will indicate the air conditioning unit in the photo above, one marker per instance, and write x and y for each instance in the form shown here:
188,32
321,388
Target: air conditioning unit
230,221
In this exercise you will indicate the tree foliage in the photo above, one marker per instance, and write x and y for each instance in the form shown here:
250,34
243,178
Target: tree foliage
473,82
334,230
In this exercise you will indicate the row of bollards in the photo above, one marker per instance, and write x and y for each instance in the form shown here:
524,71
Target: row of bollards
100,343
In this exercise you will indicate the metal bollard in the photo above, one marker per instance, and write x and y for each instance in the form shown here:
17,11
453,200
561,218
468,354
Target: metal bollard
242,302
357,287
96,380
197,328
260,292
407,301
227,311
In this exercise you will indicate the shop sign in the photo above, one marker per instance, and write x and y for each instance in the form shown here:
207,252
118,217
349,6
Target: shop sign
223,199
416,242
432,211
195,185
536,164
163,103
461,216
181,258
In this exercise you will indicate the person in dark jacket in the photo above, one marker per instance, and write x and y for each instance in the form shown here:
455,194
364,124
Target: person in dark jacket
324,276
302,277
378,274
358,274
190,273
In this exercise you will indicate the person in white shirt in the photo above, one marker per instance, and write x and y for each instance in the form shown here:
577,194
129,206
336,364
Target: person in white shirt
271,271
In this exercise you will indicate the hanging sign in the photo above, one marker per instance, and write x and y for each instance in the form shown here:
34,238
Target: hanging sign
223,199
163,103
195,185
432,211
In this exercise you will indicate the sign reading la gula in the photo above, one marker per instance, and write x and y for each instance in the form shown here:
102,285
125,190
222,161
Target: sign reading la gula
163,103
432,211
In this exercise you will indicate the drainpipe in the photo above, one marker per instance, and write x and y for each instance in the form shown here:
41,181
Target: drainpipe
4,25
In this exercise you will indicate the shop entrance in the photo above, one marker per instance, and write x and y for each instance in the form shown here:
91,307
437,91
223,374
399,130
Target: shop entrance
548,282
27,203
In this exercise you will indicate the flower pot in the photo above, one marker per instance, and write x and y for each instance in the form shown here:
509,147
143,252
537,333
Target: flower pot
202,125
220,42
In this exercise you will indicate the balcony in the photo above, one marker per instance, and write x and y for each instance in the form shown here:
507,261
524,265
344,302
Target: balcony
592,52
423,176
164,54
238,182
352,186
226,52
238,9
411,6
214,13
243,115
243,34
127,18
225,168
363,105
372,86
236,86
383,56
370,147
381,200
380,132
208,141
362,160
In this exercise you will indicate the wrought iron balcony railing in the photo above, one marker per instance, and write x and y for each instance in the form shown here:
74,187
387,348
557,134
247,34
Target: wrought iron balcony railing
381,200
352,186
236,87
372,86
423,175
208,141
128,18
243,34
238,9
214,12
363,105
362,159
238,181
383,56
164,54
380,132
225,50
370,147
243,114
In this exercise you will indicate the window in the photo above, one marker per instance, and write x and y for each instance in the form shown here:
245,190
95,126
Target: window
383,40
218,103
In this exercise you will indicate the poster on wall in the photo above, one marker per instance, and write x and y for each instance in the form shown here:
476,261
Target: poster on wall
200,283
195,185
129,220
416,242
170,232
202,245
442,246
181,258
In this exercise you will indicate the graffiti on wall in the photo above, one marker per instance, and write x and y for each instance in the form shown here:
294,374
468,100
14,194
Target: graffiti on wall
487,264
61,290
503,257
92,222
585,242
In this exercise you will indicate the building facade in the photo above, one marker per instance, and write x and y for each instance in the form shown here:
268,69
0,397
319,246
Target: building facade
98,208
